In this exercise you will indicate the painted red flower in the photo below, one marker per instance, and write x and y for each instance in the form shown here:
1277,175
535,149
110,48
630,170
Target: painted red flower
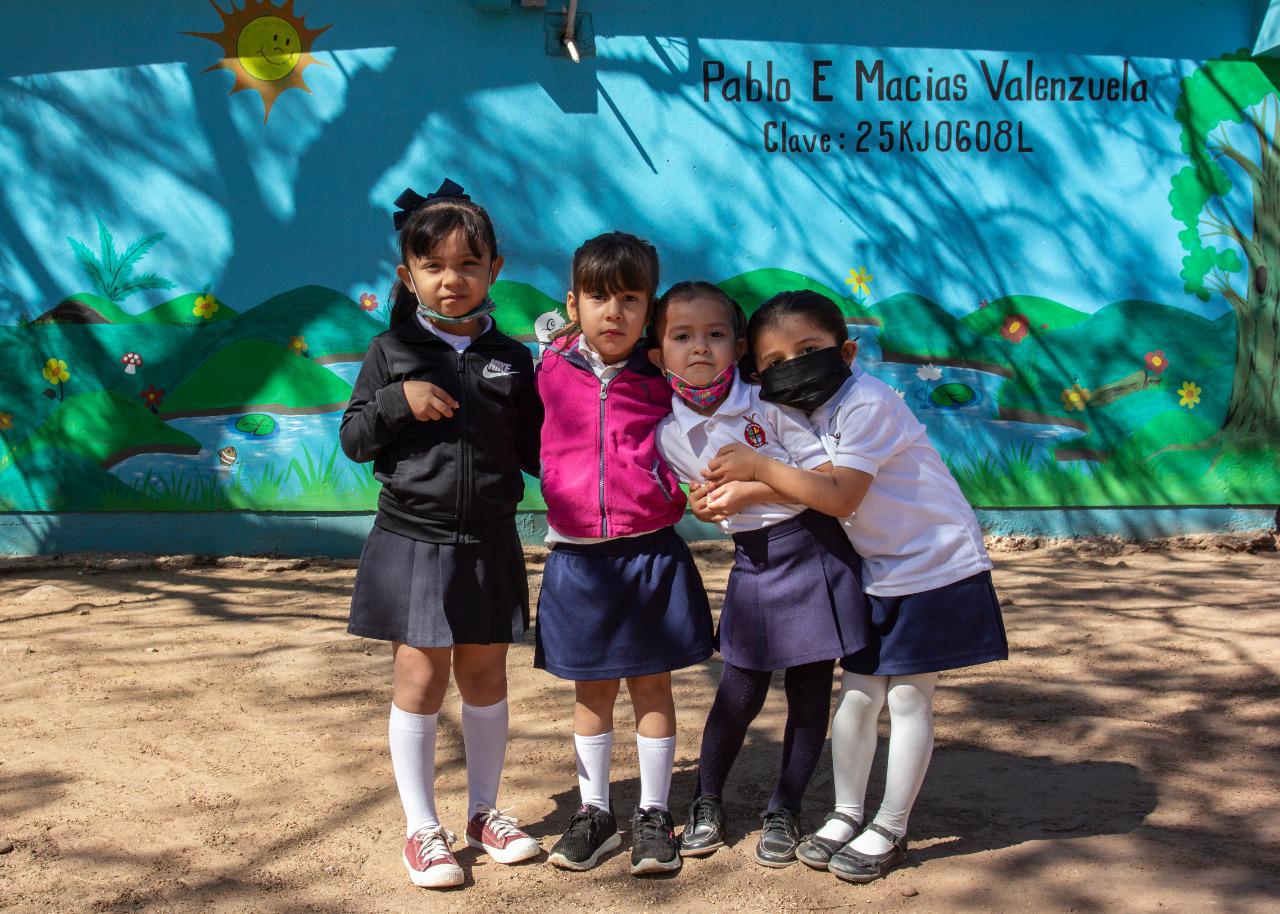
1155,361
1015,328
152,396
368,302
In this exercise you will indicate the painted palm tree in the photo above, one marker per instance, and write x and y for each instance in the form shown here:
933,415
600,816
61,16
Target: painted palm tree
112,272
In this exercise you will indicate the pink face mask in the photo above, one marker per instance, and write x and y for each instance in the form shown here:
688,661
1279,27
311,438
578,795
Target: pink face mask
707,395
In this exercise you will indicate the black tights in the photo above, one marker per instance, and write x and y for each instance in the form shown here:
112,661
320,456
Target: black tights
739,698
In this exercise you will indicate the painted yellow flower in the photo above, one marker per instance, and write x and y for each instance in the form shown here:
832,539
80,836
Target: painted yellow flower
860,280
1189,394
206,306
6,421
55,371
298,344
1075,397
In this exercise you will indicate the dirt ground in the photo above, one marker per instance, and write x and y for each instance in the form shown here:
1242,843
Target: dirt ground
189,735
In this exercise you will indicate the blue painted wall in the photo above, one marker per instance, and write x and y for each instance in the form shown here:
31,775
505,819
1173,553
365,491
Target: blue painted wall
116,113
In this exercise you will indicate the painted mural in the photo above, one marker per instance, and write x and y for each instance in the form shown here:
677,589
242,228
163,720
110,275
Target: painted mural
161,359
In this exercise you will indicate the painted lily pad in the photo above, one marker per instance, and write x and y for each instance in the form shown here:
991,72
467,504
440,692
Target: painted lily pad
257,425
952,396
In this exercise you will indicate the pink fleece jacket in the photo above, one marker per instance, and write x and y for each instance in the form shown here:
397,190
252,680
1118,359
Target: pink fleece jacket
601,471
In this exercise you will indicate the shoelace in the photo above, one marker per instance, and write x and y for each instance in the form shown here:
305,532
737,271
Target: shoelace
781,821
648,827
501,824
704,811
433,843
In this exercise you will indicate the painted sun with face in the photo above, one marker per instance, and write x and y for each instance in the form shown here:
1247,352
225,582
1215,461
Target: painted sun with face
267,47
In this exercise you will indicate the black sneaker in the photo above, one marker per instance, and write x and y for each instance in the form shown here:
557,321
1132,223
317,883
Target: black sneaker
704,830
779,837
592,832
654,848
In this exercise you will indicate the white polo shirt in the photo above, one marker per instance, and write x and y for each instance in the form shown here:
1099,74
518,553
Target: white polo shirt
914,529
688,441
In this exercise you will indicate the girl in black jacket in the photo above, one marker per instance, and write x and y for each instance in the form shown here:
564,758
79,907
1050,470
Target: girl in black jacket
446,408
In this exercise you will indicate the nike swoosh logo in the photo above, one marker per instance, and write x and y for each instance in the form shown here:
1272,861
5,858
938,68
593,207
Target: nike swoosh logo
488,372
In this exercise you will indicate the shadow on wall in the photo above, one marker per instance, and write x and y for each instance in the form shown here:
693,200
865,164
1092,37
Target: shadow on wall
264,208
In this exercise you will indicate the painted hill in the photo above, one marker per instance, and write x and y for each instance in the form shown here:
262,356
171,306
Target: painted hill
105,427
754,288
88,308
181,310
333,326
1044,315
257,375
922,330
519,304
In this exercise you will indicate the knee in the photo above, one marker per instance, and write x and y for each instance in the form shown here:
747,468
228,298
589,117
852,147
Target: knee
488,682
909,701
649,691
597,694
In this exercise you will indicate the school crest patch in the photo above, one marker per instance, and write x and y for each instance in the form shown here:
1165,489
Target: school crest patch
754,433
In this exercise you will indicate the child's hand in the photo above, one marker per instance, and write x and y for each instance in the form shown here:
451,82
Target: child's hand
733,461
729,498
428,401
698,502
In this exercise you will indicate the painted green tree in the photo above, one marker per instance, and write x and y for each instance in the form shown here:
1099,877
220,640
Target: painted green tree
111,272
1228,107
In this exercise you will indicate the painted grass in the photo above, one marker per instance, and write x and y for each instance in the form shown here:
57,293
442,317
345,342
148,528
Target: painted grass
311,482
1206,476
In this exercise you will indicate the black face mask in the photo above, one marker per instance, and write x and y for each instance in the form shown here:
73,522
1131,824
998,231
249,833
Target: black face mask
807,381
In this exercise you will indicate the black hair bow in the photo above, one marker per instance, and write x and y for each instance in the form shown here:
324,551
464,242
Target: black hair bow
410,201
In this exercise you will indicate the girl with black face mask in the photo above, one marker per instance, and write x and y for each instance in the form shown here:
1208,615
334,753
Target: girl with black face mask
926,573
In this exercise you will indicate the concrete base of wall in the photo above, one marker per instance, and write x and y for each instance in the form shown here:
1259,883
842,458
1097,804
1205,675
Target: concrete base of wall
343,535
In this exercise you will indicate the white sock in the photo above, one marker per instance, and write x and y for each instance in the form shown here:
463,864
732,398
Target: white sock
853,747
910,749
657,758
413,759
484,735
594,753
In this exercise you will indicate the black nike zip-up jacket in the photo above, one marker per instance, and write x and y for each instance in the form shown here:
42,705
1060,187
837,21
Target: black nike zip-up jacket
451,480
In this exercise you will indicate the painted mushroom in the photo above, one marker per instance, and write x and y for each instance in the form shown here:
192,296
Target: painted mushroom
131,361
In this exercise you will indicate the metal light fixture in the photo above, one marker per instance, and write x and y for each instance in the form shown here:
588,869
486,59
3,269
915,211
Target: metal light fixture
568,41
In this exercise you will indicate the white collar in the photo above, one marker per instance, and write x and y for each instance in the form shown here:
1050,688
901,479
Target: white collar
598,364
736,403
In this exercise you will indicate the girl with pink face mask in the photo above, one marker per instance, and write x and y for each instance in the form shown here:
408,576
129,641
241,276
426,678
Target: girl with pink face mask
794,600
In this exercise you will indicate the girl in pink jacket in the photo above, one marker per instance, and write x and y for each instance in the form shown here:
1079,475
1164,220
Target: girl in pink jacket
621,597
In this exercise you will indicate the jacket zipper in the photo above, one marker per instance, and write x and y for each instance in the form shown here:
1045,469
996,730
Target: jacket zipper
604,520
462,444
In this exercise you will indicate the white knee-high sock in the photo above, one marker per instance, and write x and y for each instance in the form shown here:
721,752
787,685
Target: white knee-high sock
413,759
853,747
657,757
910,749
484,735
594,753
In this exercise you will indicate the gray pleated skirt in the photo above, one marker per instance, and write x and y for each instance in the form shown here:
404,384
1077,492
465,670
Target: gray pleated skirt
440,594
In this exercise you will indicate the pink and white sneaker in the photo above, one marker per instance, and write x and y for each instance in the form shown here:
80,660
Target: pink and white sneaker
497,835
428,859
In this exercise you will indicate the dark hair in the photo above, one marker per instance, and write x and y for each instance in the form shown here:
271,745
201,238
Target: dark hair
426,228
814,307
696,288
611,263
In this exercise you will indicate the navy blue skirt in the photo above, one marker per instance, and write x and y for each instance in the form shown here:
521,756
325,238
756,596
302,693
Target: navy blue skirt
440,594
794,596
626,607
951,626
